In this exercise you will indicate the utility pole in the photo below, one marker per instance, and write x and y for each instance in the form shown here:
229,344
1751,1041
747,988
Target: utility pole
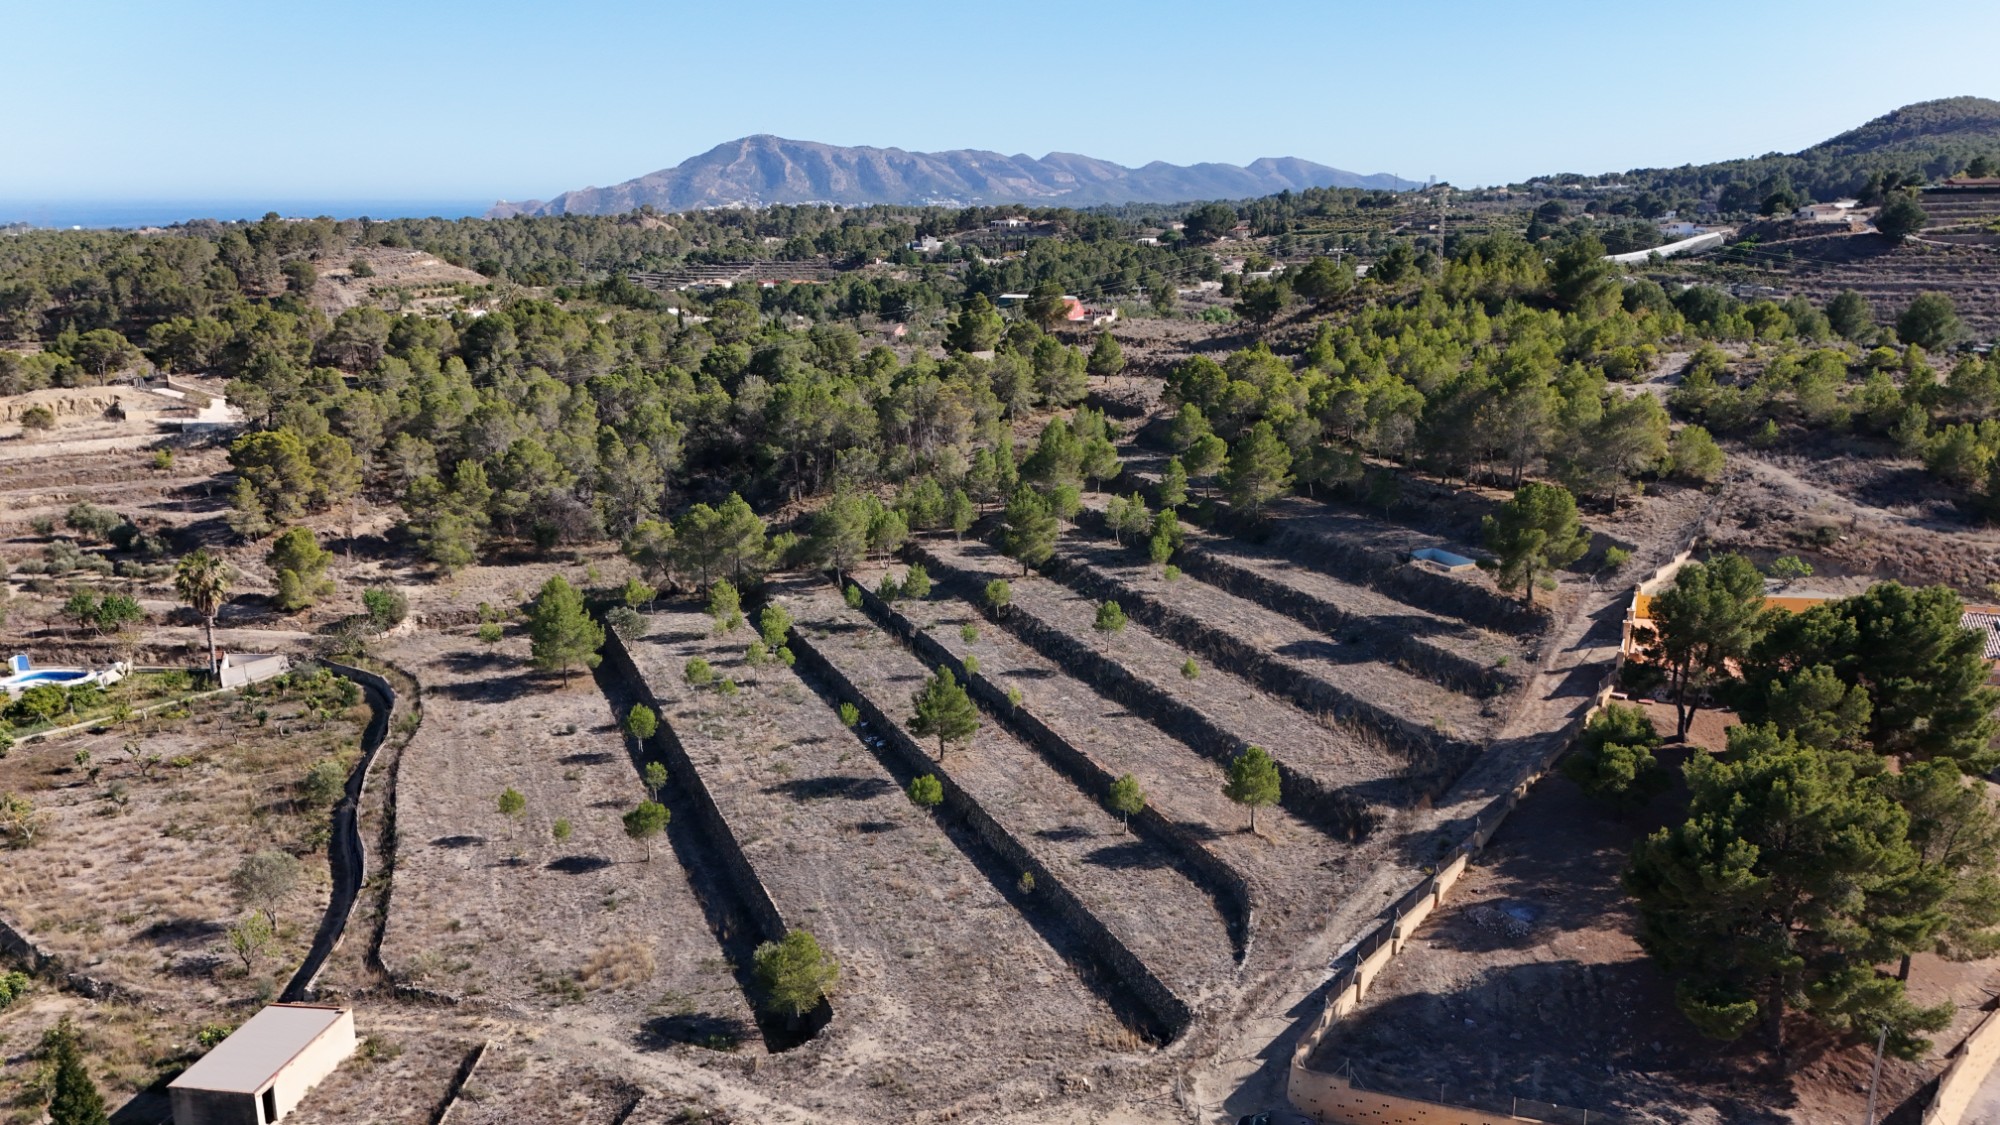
1875,1079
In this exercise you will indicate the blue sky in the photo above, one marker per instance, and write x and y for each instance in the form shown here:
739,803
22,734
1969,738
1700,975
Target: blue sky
443,99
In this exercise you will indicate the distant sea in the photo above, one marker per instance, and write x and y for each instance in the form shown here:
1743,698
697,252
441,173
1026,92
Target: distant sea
160,213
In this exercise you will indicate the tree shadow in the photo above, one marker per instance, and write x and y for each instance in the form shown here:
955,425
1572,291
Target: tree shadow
578,864
827,788
179,931
587,758
496,690
694,1029
1065,834
1632,1055
874,827
1133,855
468,662
458,841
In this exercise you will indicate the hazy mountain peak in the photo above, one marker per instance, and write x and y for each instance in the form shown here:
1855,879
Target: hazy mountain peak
763,169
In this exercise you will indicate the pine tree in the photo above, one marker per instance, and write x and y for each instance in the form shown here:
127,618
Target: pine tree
1790,880
1260,469
794,973
300,564
647,820
1029,534
959,513
925,792
561,635
943,711
1253,781
1110,618
1173,484
1126,798
1613,758
75,1099
1107,359
1535,532
1702,624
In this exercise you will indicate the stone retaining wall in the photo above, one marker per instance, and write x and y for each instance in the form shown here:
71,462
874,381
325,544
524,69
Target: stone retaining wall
1223,883
1162,1013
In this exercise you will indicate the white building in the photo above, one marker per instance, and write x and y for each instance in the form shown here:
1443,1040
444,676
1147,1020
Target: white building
264,1069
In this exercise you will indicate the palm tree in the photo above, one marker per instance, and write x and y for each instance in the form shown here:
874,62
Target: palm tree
202,581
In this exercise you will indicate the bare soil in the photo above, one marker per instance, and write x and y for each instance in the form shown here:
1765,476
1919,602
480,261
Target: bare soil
1154,909
130,881
1528,984
1295,869
950,1002
1864,514
497,909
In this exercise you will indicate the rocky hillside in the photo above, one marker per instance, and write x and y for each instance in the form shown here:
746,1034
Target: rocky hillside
762,170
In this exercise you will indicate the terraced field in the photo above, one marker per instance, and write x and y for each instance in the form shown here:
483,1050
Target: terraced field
1152,907
1293,869
957,988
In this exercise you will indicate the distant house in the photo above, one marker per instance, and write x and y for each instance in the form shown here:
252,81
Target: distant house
926,245
1011,222
265,1068
1839,211
1074,309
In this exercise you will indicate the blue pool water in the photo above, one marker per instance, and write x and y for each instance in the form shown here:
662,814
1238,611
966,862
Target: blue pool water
48,675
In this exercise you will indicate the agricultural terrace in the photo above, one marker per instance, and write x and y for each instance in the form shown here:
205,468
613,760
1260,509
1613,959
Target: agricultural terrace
958,989
552,905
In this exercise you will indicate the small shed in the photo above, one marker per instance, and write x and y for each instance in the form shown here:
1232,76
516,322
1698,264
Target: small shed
264,1069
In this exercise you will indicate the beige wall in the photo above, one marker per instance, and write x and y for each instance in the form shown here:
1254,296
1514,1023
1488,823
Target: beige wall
1966,1073
320,1058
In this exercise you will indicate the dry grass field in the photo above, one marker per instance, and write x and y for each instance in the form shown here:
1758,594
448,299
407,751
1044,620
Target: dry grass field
129,882
499,910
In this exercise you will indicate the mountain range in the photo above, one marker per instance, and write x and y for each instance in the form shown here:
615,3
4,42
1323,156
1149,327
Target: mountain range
763,170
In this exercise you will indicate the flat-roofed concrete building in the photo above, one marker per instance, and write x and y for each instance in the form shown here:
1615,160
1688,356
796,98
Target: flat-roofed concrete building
262,1071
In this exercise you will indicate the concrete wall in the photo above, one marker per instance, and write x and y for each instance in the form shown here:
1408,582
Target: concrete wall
1164,1013
346,852
311,1066
1966,1073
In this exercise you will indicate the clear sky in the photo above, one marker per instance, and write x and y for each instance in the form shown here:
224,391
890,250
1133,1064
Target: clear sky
449,99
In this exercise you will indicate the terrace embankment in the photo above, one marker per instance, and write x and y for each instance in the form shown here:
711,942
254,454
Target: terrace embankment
950,990
1337,777
1443,648
1437,730
554,905
1286,877
1149,918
